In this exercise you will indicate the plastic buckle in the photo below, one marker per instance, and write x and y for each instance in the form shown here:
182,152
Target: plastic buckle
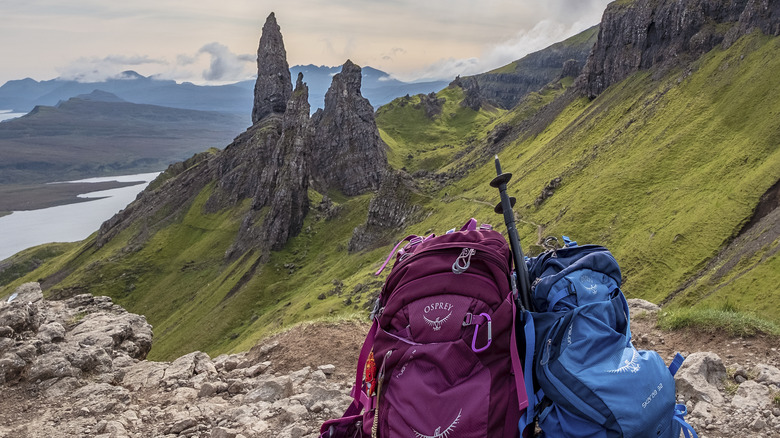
416,240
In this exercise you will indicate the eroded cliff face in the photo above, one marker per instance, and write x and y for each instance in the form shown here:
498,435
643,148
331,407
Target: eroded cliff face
348,154
641,34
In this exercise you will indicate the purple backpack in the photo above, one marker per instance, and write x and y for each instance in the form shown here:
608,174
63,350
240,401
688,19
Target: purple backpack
440,359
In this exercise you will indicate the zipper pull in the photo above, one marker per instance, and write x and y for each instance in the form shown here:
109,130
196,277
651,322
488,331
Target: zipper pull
546,355
463,261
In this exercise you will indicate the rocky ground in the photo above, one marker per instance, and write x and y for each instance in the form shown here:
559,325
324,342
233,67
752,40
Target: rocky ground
76,368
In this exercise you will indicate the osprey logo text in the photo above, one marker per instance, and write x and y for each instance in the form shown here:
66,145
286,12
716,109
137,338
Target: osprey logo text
438,433
629,365
442,307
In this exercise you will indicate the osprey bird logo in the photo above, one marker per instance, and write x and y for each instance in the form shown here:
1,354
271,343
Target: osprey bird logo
631,365
436,324
589,284
438,433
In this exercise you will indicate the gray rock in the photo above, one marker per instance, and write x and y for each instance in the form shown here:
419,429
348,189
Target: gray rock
665,34
327,369
51,366
11,367
221,432
758,424
20,317
51,332
699,377
271,390
751,396
187,366
391,209
207,390
637,305
767,374
144,375
256,370
28,293
182,425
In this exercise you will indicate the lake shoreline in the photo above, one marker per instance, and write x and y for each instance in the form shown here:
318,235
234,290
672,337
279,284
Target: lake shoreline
24,197
79,208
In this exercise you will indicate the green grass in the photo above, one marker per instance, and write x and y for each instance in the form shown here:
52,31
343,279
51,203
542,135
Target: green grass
732,322
26,261
421,143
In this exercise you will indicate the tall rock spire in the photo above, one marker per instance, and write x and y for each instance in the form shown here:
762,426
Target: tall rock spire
348,154
274,86
289,201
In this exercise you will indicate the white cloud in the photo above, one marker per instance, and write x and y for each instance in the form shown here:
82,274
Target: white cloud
542,35
226,65
96,69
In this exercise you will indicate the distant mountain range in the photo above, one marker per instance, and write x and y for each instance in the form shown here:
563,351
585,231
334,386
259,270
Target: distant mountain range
24,94
100,134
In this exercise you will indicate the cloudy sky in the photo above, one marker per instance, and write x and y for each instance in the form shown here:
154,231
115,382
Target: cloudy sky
208,41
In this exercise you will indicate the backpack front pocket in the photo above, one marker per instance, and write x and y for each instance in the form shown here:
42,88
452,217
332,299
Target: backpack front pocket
436,390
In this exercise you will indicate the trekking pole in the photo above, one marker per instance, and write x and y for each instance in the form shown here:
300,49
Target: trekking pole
505,207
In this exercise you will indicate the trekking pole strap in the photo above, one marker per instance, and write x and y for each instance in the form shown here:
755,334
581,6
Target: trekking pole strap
528,416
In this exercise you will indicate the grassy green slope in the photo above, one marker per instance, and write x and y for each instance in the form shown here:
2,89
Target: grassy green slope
418,142
664,173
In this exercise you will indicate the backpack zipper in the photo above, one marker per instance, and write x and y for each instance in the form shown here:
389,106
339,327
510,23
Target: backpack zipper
484,254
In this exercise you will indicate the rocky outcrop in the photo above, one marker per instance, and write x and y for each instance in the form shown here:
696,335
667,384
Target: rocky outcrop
728,404
390,210
571,68
642,34
82,339
75,368
472,98
273,86
348,154
431,104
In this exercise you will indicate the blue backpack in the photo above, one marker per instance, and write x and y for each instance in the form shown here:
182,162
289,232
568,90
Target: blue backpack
583,375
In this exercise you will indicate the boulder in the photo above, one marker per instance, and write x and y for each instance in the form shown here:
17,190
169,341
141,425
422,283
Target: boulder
699,378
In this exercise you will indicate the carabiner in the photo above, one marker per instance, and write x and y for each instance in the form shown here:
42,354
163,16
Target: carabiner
489,335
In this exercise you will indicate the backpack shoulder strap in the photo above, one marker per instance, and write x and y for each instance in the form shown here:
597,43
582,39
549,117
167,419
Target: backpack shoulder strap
360,398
